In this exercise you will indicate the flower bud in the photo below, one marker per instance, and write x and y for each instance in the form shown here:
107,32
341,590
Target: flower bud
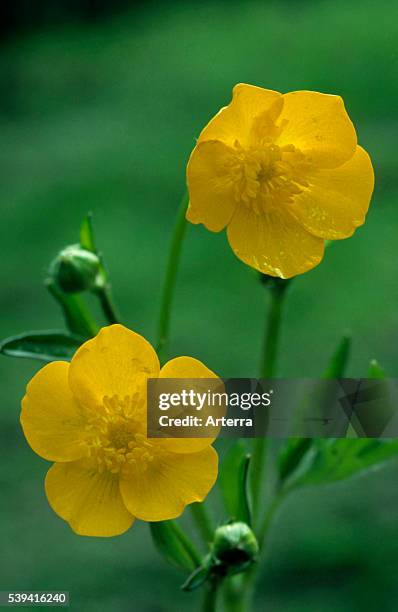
75,269
234,548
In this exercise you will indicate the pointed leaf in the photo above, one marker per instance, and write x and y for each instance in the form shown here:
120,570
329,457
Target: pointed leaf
331,460
87,233
338,363
47,345
196,579
174,545
233,482
375,370
291,456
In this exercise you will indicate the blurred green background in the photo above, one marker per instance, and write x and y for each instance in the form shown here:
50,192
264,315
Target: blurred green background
99,111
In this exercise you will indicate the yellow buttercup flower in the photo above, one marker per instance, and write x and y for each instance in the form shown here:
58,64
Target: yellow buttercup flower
89,417
283,173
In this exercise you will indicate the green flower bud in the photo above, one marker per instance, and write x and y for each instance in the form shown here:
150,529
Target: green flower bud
234,548
75,269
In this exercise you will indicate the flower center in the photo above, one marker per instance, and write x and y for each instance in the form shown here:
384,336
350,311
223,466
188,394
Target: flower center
268,175
116,435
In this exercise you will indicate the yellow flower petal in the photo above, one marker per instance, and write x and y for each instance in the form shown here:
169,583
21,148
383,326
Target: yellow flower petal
273,242
112,363
52,420
233,122
165,488
90,502
338,199
185,367
212,200
319,126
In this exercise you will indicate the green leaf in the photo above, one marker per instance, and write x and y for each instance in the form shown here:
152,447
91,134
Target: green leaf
48,345
375,370
338,363
87,241
291,456
87,234
77,317
331,460
174,545
233,482
196,579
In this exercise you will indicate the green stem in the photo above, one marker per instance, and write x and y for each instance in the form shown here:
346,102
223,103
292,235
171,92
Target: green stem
246,593
171,278
256,474
209,602
104,295
202,521
268,369
233,600
268,518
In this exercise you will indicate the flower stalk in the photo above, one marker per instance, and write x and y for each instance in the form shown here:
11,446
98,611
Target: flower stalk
104,294
269,360
210,597
246,592
171,278
268,369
